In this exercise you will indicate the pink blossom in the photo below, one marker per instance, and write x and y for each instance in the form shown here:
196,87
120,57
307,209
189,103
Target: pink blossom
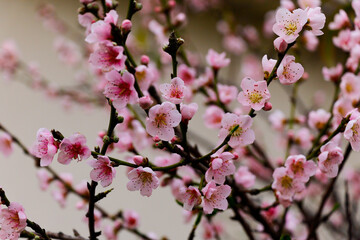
333,74
12,221
300,169
73,147
174,92
145,102
227,93
186,74
61,192
120,89
268,65
131,219
101,30
341,20
188,111
6,144
311,41
356,6
342,107
277,120
220,167
103,170
316,20
309,3
350,86
162,120
286,185
191,198
9,59
213,117
351,133
289,24
108,57
110,232
211,230
44,179
280,45
244,177
303,138
82,189
288,4
344,40
243,136
289,71
144,76
143,179
215,197
329,159
216,60
45,147
318,119
68,52
254,94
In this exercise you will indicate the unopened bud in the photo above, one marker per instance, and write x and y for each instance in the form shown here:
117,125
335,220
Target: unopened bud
267,106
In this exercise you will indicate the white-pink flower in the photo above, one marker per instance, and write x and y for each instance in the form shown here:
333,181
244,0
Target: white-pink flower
6,144
341,20
220,167
216,60
289,71
162,120
268,65
188,111
215,197
73,147
244,177
108,57
213,117
103,170
120,89
174,92
131,219
12,221
101,30
315,20
329,159
254,94
44,178
350,86
243,136
191,198
318,119
352,133
289,24
332,74
143,179
45,147
286,185
300,169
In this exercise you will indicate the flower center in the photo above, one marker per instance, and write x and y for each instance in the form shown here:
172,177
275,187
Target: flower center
290,28
237,132
145,177
176,92
255,97
124,89
160,119
349,88
286,182
297,167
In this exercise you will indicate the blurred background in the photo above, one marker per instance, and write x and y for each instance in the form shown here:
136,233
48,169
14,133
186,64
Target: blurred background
24,110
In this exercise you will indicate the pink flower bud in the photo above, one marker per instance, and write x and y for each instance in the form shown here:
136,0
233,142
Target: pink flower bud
280,45
174,139
156,138
138,160
188,111
144,60
145,102
126,26
171,3
267,106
